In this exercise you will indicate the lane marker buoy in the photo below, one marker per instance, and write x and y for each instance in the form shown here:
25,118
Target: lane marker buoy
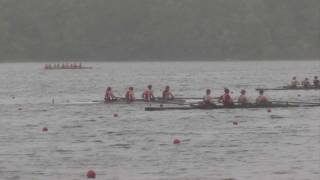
91,174
176,141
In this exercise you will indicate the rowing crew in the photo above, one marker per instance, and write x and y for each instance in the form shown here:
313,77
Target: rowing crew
63,66
227,101
305,83
147,95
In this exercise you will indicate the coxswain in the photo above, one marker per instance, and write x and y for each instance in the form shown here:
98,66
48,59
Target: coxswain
294,82
166,94
147,95
108,97
226,99
130,95
305,82
207,99
261,99
316,82
243,100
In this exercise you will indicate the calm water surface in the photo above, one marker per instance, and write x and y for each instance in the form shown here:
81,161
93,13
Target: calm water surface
283,144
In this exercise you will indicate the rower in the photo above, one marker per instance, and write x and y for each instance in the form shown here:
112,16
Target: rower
226,99
108,97
261,99
305,82
294,82
207,99
166,94
316,82
130,95
243,100
147,95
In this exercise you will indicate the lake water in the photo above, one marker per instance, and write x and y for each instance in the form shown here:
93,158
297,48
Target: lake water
281,144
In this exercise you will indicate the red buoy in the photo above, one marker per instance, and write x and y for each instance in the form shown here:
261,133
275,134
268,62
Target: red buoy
44,129
115,115
176,141
91,174
269,110
235,123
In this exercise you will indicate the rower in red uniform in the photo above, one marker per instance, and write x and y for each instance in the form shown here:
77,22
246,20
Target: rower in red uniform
207,99
226,99
261,99
316,82
294,82
166,94
130,95
147,95
243,100
305,83
108,97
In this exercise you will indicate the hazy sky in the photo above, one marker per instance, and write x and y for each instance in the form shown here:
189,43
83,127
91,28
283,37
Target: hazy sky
159,29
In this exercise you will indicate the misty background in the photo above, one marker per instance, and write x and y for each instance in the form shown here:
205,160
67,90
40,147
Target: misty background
159,29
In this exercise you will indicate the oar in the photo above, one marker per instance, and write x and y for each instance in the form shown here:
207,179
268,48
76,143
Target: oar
296,102
191,98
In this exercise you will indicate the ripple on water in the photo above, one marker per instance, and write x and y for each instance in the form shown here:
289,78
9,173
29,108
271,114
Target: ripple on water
138,145
124,146
71,126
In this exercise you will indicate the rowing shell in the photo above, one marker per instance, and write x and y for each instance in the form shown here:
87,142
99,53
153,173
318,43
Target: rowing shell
56,68
160,101
176,101
291,88
249,106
